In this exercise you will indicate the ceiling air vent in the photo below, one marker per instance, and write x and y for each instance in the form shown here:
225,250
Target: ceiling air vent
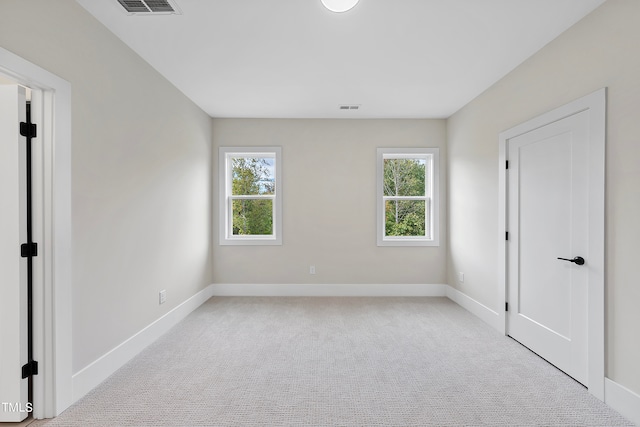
149,7
348,107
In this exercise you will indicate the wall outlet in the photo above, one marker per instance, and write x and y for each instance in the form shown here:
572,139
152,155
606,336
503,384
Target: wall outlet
461,277
312,269
162,296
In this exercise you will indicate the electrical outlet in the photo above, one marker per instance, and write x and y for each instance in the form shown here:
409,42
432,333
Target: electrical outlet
461,277
312,269
163,296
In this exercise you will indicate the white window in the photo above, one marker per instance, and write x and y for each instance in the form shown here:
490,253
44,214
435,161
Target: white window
407,212
250,196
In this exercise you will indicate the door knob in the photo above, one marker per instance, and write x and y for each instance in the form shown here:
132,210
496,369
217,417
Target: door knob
577,260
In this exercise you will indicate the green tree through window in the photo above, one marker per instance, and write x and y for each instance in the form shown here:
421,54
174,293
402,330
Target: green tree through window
407,196
250,195
253,182
404,180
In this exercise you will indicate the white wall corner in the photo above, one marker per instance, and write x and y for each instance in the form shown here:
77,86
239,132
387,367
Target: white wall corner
331,290
623,400
483,312
99,370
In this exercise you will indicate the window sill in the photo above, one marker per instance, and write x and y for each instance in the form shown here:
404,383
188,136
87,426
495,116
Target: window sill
408,242
267,241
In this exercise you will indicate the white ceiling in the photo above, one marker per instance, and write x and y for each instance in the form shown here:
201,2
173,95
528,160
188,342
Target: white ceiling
294,58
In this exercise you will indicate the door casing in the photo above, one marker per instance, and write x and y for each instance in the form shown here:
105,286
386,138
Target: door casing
595,105
51,110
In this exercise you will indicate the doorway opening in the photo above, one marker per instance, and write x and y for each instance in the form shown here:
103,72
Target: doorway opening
51,164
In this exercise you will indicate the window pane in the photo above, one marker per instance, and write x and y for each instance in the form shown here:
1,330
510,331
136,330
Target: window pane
404,177
252,217
252,176
404,218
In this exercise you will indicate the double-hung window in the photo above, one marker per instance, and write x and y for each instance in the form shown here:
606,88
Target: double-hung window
250,196
407,181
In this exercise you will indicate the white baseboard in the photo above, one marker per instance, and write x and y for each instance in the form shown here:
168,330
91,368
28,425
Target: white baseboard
364,290
99,370
618,397
333,290
92,375
481,311
622,400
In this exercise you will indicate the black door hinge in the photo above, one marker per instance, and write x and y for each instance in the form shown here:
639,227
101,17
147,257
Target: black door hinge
507,164
28,250
28,130
506,306
30,369
506,235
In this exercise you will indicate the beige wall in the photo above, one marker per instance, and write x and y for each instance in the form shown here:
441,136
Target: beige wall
329,203
599,51
141,169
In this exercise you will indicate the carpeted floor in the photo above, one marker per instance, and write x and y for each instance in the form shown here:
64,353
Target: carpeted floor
336,361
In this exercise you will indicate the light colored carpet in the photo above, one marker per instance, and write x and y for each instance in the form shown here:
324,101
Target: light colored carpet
336,361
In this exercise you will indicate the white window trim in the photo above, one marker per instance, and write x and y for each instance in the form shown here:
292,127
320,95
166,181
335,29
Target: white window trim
224,175
433,203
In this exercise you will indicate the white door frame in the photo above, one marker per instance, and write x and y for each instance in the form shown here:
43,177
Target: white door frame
51,111
595,105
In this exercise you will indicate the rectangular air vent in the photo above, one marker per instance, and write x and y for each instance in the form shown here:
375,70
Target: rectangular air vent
349,107
149,7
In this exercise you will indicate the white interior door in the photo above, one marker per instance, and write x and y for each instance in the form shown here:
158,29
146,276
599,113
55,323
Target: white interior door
13,268
548,211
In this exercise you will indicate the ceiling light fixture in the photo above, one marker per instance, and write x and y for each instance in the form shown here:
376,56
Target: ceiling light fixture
339,5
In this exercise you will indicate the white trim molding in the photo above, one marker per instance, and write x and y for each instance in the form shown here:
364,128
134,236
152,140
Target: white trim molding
431,196
95,373
619,398
99,370
622,400
331,290
51,110
226,196
484,313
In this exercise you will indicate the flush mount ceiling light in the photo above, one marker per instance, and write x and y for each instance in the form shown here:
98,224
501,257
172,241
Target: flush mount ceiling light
339,5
